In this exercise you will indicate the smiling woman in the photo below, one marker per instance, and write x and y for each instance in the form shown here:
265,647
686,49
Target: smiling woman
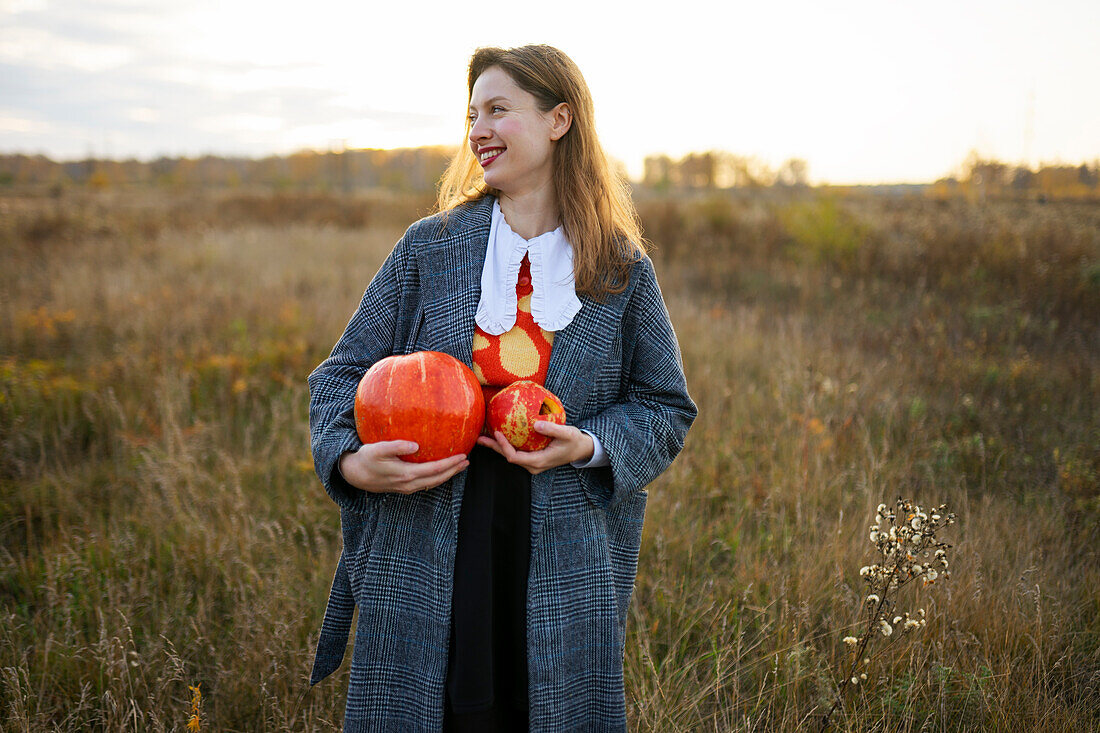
493,588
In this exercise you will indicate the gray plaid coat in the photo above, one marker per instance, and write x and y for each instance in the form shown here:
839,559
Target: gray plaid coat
617,370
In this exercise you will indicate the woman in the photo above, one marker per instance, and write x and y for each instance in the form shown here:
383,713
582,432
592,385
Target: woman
493,589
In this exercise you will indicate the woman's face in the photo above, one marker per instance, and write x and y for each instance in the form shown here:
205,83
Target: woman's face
511,138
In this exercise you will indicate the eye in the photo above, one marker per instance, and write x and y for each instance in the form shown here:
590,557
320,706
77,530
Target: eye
497,108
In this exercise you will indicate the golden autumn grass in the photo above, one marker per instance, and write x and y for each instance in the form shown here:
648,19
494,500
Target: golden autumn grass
161,528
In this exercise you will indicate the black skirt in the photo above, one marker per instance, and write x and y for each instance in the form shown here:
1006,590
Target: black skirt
487,666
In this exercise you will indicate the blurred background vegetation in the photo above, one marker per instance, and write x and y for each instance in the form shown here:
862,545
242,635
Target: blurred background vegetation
416,170
161,526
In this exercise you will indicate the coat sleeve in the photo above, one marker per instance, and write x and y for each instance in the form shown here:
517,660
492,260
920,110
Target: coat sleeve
373,333
645,430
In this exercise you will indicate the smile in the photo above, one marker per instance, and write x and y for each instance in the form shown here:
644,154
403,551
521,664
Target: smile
488,156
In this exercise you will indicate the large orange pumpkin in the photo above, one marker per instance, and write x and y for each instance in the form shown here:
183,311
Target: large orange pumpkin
427,397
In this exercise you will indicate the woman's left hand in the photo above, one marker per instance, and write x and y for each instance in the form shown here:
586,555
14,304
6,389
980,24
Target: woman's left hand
568,444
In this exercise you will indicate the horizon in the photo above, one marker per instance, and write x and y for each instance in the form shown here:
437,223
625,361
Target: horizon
864,93
145,160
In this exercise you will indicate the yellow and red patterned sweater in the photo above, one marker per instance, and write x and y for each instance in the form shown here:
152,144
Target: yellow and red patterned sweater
521,353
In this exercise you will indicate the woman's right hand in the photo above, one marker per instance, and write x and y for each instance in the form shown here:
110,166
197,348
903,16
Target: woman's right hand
376,468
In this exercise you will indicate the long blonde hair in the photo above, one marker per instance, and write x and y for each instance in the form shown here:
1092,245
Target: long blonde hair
597,213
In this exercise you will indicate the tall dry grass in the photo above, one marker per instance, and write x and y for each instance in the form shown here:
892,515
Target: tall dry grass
160,526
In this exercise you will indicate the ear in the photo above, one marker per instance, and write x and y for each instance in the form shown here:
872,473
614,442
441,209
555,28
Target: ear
560,119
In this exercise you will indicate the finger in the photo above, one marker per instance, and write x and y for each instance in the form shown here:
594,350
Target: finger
526,461
506,449
427,484
398,473
487,442
418,471
553,429
395,448
556,445
434,481
554,455
431,480
533,461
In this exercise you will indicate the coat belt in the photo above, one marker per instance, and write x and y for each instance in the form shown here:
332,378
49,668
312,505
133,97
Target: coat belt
336,627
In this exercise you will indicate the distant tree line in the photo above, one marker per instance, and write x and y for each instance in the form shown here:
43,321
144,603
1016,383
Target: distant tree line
980,177
720,169
407,169
984,177
416,170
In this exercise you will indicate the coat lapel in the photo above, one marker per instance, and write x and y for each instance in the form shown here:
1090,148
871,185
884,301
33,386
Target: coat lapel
450,271
578,350
575,358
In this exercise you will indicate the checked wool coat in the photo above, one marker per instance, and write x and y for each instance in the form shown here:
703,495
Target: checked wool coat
618,372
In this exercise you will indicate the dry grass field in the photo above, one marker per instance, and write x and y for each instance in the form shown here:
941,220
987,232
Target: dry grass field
161,528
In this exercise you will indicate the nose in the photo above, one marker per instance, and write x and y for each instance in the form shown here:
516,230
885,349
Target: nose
479,129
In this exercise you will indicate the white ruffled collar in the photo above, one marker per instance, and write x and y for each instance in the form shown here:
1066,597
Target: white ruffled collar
554,299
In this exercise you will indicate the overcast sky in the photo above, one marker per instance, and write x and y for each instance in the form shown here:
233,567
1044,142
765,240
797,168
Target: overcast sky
867,91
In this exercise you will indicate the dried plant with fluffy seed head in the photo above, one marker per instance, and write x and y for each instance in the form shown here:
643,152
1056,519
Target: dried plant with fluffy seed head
909,548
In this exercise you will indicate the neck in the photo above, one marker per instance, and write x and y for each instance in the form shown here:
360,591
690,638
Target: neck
532,213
